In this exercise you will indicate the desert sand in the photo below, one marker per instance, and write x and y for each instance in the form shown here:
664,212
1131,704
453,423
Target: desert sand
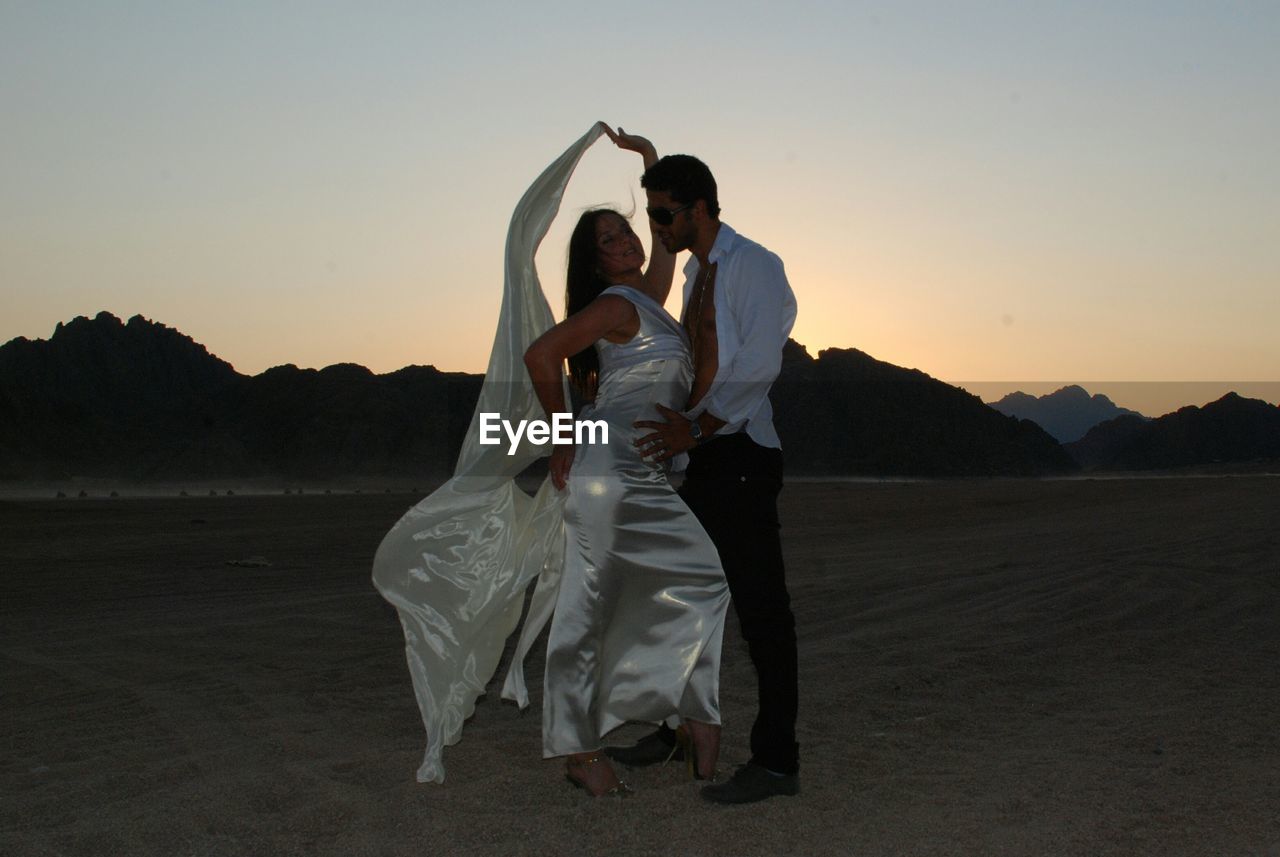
1074,667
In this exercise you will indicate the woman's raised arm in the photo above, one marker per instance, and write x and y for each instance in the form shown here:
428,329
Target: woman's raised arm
662,264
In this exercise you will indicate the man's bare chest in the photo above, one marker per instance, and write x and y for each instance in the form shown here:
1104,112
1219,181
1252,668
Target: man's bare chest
700,316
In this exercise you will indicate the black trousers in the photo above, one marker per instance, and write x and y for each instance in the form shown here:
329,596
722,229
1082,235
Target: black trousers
732,486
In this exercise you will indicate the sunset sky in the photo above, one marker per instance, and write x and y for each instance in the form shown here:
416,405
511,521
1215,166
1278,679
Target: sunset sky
1010,192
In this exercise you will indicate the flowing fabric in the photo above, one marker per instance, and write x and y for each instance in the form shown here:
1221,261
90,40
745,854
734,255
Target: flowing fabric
639,615
457,565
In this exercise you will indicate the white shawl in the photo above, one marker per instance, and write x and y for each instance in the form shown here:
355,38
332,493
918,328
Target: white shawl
457,565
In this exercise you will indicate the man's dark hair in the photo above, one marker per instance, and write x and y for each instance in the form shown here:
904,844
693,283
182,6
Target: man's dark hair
686,178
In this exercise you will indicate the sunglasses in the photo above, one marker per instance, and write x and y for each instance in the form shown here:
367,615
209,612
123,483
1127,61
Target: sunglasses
666,216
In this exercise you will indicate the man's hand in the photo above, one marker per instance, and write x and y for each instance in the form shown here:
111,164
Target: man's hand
560,463
668,438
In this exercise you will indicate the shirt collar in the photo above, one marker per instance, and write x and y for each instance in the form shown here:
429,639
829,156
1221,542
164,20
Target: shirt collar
725,239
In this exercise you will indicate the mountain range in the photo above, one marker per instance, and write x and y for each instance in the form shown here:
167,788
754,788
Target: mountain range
1067,414
142,401
846,413
1232,429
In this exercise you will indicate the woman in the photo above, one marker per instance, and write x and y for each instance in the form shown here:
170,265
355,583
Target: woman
640,611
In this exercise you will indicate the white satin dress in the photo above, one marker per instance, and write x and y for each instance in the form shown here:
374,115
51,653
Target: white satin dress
638,626
639,616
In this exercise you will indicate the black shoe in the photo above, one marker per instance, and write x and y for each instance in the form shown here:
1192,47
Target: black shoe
751,783
652,749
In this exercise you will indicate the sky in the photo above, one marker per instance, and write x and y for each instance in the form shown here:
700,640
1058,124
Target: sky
1000,194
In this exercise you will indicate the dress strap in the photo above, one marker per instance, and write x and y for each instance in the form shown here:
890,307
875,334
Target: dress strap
644,302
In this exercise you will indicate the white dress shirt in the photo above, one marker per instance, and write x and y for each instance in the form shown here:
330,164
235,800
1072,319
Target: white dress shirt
755,310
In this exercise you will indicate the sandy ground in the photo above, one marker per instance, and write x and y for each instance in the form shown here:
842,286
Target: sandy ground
987,667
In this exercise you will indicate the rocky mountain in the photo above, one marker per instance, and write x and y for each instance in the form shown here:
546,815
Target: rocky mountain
848,413
99,391
1067,413
139,400
1231,430
143,401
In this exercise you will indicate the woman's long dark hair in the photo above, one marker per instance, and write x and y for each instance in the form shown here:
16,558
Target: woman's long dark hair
583,285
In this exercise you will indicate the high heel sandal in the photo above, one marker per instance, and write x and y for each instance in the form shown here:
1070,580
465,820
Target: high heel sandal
684,740
620,788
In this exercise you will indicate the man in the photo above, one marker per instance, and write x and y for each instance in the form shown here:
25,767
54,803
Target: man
738,312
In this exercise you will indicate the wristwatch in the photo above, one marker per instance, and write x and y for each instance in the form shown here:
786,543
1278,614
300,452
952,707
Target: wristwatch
695,431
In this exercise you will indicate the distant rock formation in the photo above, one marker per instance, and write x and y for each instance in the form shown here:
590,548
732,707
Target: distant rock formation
142,401
139,400
1231,430
1067,413
98,391
848,413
